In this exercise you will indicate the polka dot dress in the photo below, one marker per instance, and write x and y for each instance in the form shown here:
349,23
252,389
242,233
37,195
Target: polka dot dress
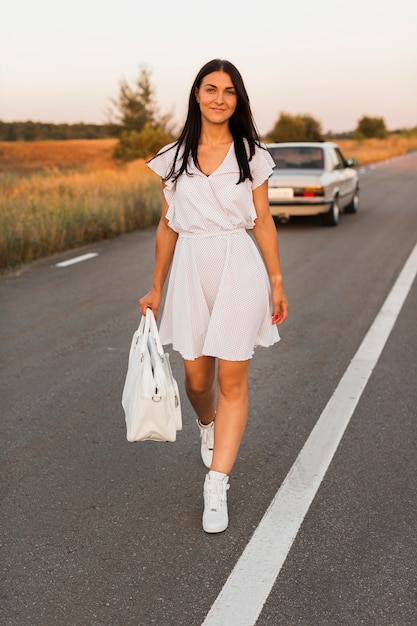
218,300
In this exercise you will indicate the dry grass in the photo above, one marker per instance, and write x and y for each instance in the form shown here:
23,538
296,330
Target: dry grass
373,150
74,194
21,157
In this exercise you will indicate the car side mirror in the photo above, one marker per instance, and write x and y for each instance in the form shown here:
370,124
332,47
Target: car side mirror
351,162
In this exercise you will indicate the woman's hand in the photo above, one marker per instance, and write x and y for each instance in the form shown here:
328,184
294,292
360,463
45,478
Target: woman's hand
280,301
151,300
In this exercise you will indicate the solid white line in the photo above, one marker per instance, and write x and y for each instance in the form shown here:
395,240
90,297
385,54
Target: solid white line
249,585
77,259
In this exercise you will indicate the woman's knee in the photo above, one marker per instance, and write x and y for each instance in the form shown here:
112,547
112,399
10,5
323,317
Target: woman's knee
232,389
199,378
197,386
233,381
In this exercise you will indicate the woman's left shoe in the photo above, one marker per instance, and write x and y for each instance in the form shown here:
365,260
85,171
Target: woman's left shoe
215,516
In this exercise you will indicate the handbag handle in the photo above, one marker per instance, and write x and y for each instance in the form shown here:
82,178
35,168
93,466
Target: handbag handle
143,332
148,325
154,332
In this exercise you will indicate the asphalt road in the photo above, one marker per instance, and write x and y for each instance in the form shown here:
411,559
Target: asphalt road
96,530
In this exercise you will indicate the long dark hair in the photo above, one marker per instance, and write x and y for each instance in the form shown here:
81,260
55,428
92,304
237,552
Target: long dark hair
241,124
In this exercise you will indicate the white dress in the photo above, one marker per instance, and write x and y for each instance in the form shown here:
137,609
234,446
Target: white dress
218,300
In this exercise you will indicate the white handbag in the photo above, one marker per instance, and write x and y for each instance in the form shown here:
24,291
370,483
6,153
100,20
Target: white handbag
151,400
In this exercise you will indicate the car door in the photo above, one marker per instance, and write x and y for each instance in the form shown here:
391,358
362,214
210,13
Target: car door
335,178
347,180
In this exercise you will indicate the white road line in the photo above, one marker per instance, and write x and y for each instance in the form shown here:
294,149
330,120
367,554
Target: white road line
77,259
241,600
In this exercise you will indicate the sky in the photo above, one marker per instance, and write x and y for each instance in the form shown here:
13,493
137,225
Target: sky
336,60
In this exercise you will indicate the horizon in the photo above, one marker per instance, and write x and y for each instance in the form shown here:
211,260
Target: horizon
104,124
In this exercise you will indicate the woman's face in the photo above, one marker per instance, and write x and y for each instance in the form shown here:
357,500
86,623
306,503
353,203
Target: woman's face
217,97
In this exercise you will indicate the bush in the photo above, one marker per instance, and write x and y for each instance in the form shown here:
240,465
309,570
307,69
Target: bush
371,127
141,145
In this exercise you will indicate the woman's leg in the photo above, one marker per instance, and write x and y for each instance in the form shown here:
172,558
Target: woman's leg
231,417
199,386
229,426
232,413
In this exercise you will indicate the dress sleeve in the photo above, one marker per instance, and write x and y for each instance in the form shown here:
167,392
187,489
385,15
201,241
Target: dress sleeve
162,161
261,166
161,164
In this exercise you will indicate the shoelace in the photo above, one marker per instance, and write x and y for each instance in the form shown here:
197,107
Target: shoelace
217,494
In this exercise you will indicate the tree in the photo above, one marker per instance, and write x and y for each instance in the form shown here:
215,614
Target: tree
135,105
371,127
142,130
295,128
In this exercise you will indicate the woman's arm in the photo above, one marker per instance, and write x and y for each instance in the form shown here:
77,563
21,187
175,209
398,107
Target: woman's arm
266,237
165,242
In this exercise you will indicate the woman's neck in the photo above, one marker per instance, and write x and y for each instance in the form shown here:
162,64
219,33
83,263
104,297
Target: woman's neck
215,135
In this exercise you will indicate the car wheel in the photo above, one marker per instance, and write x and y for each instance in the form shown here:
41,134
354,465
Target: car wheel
353,206
331,218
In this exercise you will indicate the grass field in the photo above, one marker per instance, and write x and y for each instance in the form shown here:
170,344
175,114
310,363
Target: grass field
57,195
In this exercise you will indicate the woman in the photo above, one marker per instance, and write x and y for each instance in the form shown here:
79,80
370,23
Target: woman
221,292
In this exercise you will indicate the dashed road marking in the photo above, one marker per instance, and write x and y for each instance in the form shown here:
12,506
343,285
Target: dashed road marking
77,259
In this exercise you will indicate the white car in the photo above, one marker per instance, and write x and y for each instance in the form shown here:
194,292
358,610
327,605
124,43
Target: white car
312,178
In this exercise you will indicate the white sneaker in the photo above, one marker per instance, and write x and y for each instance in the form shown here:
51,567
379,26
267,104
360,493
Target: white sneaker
215,516
207,442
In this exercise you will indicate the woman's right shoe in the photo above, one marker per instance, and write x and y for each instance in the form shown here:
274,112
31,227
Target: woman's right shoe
215,516
207,442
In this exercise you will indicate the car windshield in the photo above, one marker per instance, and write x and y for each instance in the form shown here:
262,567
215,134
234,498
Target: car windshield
298,157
